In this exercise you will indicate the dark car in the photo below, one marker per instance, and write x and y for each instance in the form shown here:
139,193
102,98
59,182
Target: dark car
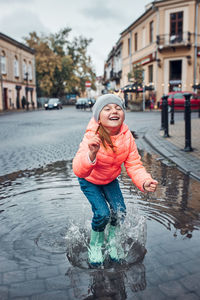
84,103
53,103
179,100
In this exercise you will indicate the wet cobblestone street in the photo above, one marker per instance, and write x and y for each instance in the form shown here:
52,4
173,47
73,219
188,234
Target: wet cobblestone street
45,219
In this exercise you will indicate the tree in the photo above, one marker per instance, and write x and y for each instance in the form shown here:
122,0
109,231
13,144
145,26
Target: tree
82,62
62,66
136,74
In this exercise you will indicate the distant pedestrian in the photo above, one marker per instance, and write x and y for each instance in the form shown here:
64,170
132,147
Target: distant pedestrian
23,102
107,144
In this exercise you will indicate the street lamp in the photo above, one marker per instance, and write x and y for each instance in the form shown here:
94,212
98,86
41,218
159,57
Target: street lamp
26,89
143,95
1,80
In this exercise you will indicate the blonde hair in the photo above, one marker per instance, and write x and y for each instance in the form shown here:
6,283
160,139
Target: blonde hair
105,137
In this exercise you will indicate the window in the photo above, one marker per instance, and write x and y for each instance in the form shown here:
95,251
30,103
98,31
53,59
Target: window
150,73
129,46
16,67
24,69
3,62
143,37
30,72
176,26
151,32
136,41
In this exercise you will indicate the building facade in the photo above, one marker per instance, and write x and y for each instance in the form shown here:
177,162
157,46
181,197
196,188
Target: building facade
165,41
17,75
113,68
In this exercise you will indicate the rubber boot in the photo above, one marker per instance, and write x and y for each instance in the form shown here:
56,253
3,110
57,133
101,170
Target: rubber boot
115,250
95,249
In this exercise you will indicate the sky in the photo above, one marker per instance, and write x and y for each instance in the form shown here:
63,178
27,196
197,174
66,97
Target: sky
101,20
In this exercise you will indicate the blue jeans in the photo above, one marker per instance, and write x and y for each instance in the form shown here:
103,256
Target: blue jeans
107,203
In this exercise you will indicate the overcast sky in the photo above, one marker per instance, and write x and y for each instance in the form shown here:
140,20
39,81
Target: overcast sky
101,20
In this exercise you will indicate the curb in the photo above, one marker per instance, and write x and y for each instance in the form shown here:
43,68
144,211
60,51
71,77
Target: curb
187,163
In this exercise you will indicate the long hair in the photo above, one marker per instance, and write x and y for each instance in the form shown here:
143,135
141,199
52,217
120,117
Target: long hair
105,137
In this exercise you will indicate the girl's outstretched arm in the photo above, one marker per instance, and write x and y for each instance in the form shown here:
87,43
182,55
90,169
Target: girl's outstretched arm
150,185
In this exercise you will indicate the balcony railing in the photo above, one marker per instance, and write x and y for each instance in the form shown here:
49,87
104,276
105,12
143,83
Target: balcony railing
174,40
115,75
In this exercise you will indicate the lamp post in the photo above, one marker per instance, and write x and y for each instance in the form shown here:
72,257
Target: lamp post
1,80
26,89
143,94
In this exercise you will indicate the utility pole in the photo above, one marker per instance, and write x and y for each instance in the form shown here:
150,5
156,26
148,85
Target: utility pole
26,89
1,80
143,94
195,44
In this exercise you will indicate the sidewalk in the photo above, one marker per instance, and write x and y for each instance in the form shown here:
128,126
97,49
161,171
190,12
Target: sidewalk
172,147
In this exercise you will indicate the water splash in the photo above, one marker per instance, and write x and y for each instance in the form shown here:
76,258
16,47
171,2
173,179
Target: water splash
131,238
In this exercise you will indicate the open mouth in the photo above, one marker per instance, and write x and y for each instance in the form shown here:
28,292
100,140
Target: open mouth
114,118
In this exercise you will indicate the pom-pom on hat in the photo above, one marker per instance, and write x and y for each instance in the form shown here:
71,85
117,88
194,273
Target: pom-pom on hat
103,101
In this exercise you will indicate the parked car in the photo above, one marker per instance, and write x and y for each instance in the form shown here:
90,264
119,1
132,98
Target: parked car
84,103
53,103
179,100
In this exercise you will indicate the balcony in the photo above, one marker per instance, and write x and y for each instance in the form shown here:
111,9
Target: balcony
169,41
115,75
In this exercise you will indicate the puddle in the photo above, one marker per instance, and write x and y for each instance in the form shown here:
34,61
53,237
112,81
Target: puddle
45,222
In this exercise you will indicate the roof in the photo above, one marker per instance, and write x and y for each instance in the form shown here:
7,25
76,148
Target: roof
149,7
16,43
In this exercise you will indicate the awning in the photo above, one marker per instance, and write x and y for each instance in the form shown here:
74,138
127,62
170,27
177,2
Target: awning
196,86
136,88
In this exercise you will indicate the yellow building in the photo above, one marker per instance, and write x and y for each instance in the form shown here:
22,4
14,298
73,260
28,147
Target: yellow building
17,75
165,40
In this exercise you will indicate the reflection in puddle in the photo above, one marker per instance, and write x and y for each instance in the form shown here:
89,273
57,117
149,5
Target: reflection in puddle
45,218
176,203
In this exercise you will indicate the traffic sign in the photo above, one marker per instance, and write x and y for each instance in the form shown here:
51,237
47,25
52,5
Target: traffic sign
88,84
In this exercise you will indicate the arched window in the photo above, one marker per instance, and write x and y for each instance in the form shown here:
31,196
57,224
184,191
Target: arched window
24,69
3,62
16,67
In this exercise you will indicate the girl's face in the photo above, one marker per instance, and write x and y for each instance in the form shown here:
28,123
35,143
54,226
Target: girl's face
112,117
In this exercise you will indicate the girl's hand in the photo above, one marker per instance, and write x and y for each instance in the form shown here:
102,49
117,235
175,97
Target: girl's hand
93,145
150,185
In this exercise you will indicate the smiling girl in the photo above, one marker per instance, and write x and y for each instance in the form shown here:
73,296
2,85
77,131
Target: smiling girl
107,144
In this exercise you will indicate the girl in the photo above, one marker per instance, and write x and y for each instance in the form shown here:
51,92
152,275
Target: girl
107,144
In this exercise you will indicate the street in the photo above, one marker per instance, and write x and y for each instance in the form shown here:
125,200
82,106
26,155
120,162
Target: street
45,218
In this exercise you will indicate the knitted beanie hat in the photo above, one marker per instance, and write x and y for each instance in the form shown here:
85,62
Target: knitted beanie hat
103,101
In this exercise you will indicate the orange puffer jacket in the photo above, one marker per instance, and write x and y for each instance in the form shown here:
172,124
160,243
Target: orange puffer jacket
107,166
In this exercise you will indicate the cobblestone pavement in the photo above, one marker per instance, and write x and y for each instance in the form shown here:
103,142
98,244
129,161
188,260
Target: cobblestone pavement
177,137
34,139
172,147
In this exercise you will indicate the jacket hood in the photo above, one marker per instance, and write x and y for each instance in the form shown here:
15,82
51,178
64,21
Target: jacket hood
92,127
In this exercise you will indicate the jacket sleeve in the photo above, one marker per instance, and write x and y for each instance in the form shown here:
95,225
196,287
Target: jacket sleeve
134,166
82,166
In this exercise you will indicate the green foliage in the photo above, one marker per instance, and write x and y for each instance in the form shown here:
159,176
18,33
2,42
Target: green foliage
62,66
136,74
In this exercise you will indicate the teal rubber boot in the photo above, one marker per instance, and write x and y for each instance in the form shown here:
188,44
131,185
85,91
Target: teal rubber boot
95,249
115,250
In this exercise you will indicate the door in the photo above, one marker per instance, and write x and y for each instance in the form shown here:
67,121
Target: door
5,98
175,75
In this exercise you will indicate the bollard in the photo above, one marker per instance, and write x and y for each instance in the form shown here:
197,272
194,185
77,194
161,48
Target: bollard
199,110
165,116
172,111
188,146
162,115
